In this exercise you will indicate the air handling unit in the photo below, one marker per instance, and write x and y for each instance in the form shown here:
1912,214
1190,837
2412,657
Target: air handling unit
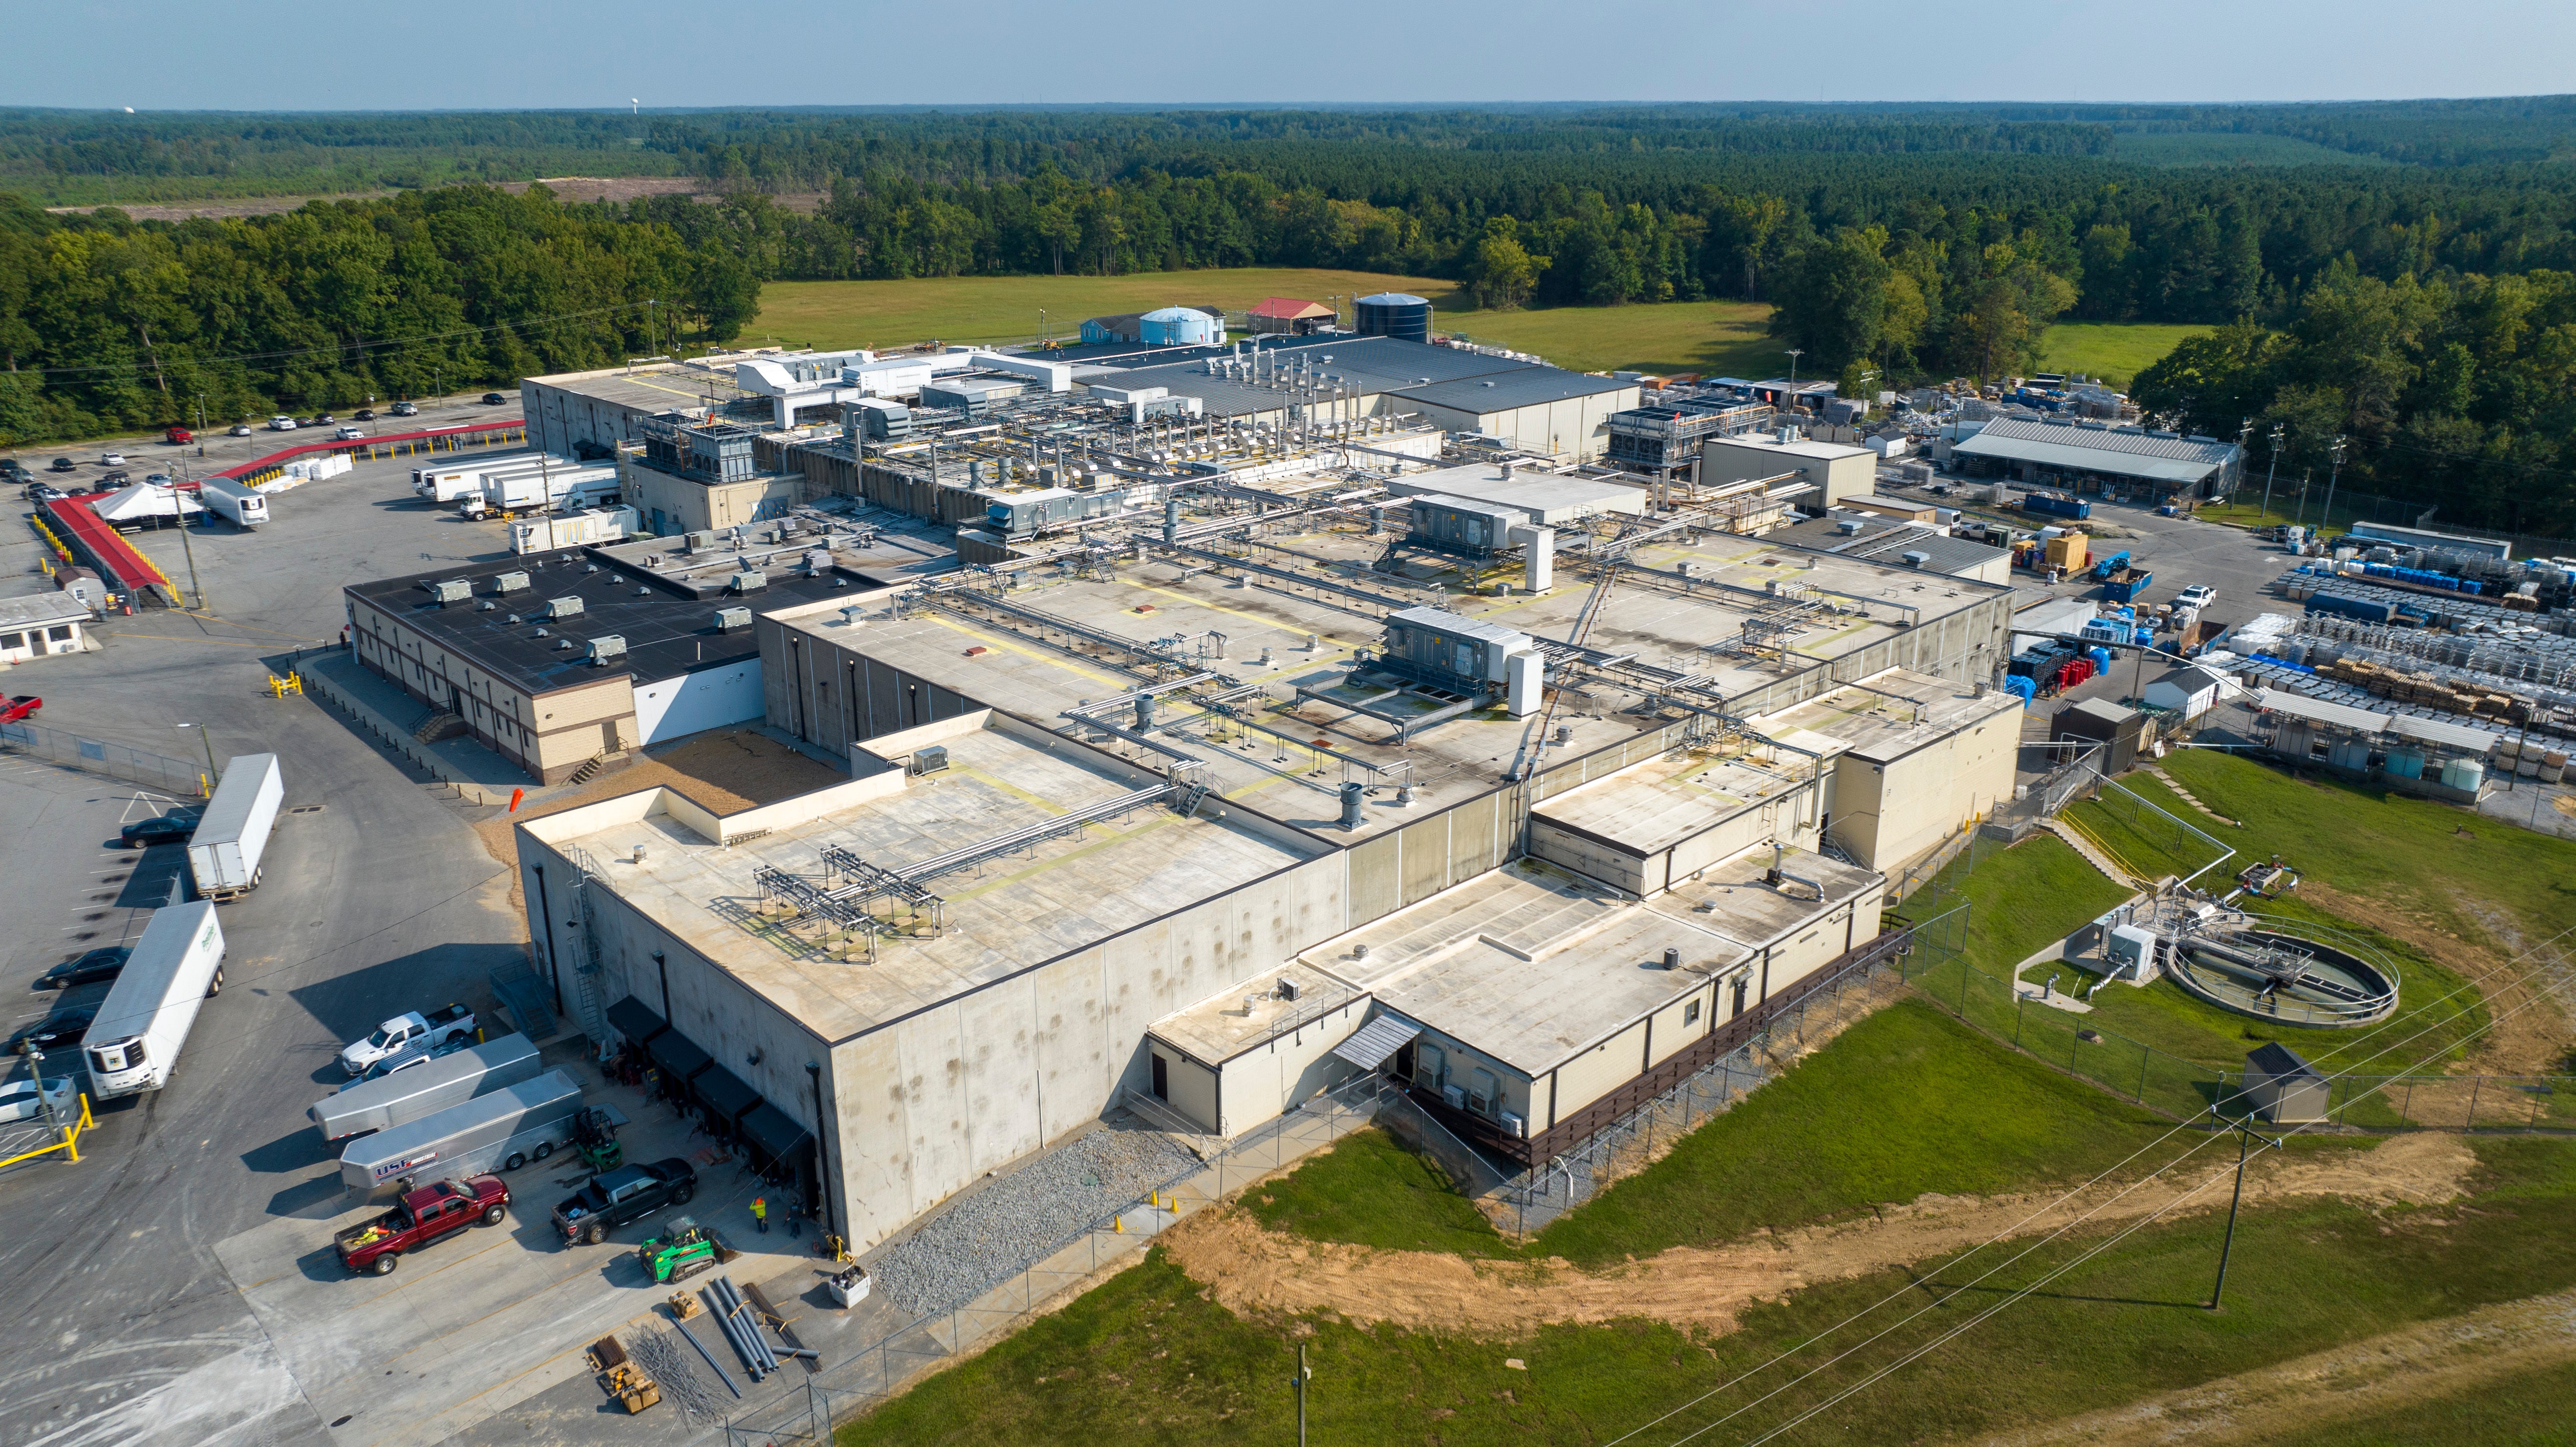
1449,650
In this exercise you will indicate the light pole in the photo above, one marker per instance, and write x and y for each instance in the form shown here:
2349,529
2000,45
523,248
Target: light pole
2304,474
206,737
1794,354
179,509
2278,432
36,1072
2334,456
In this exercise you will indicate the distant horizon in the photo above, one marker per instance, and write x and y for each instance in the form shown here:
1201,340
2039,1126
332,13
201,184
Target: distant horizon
1150,106
328,56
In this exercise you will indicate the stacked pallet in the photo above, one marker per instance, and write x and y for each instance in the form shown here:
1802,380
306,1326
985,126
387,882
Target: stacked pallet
2400,686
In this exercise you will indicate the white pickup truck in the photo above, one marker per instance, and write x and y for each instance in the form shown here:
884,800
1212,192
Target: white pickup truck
405,1032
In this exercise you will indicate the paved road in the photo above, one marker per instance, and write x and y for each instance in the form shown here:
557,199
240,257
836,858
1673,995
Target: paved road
129,1328
213,450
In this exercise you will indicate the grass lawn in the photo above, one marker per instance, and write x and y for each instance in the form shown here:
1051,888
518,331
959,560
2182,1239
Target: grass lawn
1148,1358
1005,308
1713,338
2410,855
2114,351
2019,899
1372,1191
1701,336
2530,1409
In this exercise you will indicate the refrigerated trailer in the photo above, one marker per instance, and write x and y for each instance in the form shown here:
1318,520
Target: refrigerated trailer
424,1090
176,967
502,1130
224,853
243,507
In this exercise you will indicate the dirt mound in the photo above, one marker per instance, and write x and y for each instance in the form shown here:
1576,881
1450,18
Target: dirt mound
2383,1373
1253,1270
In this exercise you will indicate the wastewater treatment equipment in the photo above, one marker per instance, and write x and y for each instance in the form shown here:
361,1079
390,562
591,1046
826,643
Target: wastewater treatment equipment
2268,967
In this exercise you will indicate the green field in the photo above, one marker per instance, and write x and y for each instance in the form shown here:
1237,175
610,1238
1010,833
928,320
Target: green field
990,309
2114,351
1704,336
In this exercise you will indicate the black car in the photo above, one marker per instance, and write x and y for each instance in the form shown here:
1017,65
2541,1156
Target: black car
13,469
629,1193
113,479
44,492
166,829
492,399
65,464
105,963
60,1030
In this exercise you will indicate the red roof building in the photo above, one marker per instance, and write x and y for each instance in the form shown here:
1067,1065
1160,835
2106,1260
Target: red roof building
1288,314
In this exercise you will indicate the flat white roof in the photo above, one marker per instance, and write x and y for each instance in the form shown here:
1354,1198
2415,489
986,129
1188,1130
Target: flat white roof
38,609
1803,447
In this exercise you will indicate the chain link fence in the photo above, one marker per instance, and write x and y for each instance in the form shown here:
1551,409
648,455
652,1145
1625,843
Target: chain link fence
178,778
805,1411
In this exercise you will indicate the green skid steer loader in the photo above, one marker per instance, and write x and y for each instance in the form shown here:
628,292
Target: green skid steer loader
684,1251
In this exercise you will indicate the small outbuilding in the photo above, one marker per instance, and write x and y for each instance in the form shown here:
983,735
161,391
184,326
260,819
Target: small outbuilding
2101,721
2284,1089
2186,692
40,625
1289,316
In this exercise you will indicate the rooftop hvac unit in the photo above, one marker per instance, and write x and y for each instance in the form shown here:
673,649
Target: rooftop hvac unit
1288,988
607,649
701,541
729,619
454,590
929,759
1916,558
746,582
510,583
563,607
1848,527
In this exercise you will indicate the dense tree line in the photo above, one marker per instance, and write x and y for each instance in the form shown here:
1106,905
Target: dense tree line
107,325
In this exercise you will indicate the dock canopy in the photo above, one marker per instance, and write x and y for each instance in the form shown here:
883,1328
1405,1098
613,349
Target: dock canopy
1377,1040
679,1057
724,1093
775,1132
638,1024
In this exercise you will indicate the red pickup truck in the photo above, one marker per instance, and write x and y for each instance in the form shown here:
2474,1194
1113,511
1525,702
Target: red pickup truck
21,707
429,1214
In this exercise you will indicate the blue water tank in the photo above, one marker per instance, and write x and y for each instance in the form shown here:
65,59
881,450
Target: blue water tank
1179,326
1395,314
2101,659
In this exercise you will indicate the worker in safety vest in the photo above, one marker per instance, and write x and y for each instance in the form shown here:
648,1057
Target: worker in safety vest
760,1212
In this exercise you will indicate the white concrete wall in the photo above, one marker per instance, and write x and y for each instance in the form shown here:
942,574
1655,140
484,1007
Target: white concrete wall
710,698
1282,1074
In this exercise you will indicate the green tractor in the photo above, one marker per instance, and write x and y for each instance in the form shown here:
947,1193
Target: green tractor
684,1251
596,1139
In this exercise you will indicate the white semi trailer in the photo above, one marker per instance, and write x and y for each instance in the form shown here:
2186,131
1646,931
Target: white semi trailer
176,967
232,837
243,507
501,1130
425,1089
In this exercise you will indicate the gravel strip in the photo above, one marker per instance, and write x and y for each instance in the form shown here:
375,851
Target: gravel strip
978,1243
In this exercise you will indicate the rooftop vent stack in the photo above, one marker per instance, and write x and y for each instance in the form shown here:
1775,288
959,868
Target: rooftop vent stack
1172,521
1144,712
1353,797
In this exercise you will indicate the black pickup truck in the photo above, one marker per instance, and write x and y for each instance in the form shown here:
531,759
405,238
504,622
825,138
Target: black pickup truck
629,1193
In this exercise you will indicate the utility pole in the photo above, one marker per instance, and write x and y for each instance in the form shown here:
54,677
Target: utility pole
2325,520
2304,474
179,508
2278,432
206,736
1299,1382
2244,1142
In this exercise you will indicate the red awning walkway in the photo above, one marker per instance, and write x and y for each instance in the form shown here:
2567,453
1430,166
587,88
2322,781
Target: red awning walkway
70,524
394,444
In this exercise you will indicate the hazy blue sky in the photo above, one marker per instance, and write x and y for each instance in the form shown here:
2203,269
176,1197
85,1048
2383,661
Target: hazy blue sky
332,54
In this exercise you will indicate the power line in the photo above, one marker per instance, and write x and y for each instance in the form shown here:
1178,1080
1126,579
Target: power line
2079,1260
2061,1200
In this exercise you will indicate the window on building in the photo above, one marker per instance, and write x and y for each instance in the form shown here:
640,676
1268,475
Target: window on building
62,634
13,640
1740,983
1690,1013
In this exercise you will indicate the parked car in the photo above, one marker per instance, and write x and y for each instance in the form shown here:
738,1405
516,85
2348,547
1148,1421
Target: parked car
493,399
111,459
322,419
20,706
448,1022
59,1030
45,492
21,1100
240,429
430,1214
2198,595
103,963
350,434
178,436
111,481
365,414
406,409
629,1193
411,1055
171,828
14,470
281,423
65,464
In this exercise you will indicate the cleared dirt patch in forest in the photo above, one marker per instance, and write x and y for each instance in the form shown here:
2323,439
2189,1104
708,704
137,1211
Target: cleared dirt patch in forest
1253,1270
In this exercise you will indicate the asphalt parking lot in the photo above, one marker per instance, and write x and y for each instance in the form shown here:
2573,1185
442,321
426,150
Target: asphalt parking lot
215,449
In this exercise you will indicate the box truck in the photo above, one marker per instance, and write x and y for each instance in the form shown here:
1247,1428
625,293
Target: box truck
176,967
425,1089
533,489
224,853
502,1129
585,529
243,507
458,477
